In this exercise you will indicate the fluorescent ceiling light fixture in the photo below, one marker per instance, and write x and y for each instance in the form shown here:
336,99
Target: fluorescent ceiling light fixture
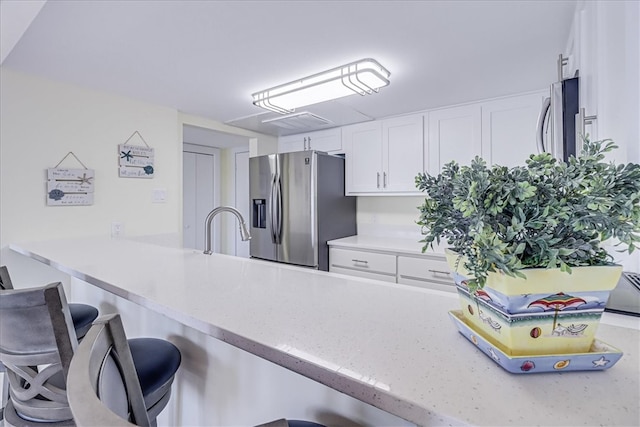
362,77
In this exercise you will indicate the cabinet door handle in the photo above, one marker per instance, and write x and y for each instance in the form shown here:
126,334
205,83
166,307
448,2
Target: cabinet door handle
378,179
440,272
360,260
384,180
309,143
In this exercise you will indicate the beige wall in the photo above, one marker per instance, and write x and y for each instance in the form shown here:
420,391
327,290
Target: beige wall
42,121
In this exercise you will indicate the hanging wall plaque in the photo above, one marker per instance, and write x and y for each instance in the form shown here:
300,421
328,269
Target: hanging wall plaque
135,161
70,187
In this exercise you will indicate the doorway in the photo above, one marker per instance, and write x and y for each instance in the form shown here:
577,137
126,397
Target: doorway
200,170
215,173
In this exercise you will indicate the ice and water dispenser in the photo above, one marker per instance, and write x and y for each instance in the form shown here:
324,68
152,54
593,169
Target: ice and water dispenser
259,214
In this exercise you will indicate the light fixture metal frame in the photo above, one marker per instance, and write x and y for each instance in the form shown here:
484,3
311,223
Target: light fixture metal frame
348,76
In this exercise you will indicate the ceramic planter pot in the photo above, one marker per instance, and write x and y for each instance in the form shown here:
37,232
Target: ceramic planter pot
549,312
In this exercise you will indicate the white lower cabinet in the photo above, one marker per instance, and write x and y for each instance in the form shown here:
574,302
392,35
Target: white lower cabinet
429,271
425,272
370,265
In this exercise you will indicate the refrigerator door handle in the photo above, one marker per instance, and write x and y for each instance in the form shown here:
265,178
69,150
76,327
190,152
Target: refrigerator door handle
272,206
542,118
278,210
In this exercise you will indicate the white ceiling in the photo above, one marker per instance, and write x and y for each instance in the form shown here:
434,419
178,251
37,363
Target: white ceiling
206,58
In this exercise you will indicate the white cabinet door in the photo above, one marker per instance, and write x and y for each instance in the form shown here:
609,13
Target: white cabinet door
454,134
329,140
509,129
403,155
290,143
384,156
363,163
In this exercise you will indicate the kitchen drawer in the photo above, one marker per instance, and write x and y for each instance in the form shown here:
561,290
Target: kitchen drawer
433,273
364,274
369,262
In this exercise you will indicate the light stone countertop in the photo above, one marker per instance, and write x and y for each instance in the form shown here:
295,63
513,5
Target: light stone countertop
396,245
391,346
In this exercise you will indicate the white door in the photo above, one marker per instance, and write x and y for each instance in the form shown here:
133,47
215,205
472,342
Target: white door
189,199
288,144
403,154
242,199
329,140
363,147
509,129
199,195
454,134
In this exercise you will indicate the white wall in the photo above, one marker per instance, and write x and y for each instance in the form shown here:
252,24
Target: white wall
608,40
618,74
42,121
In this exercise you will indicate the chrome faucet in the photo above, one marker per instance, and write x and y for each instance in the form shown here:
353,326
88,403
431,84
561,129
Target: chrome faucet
244,231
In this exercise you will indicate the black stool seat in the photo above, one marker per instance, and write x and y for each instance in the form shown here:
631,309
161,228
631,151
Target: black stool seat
82,316
106,365
156,362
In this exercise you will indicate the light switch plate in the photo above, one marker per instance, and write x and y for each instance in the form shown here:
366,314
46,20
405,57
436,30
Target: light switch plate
159,195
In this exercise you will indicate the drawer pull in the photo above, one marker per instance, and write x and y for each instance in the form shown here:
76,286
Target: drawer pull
359,260
440,272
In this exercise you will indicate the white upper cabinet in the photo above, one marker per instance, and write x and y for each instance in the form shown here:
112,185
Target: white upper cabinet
329,140
384,156
501,131
363,149
509,128
403,153
454,134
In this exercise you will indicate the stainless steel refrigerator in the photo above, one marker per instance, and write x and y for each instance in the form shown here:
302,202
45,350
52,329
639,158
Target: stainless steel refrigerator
297,204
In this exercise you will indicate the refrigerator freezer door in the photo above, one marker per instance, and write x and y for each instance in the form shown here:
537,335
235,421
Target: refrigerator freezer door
262,172
299,235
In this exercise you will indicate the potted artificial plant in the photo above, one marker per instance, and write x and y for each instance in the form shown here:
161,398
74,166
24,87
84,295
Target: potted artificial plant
526,244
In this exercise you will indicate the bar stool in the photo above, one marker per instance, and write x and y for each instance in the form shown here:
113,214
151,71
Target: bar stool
37,346
82,315
102,374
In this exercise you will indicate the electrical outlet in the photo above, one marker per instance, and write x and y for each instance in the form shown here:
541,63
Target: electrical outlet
117,229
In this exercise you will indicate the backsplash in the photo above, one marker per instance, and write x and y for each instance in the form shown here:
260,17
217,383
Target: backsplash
389,216
396,217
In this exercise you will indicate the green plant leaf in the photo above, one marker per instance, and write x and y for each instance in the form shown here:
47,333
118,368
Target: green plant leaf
549,214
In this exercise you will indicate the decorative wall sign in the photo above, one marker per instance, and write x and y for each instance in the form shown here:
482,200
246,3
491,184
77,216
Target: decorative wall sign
70,187
135,161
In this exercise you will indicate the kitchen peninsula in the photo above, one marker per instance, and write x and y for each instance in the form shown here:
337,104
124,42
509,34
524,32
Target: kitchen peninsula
389,345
